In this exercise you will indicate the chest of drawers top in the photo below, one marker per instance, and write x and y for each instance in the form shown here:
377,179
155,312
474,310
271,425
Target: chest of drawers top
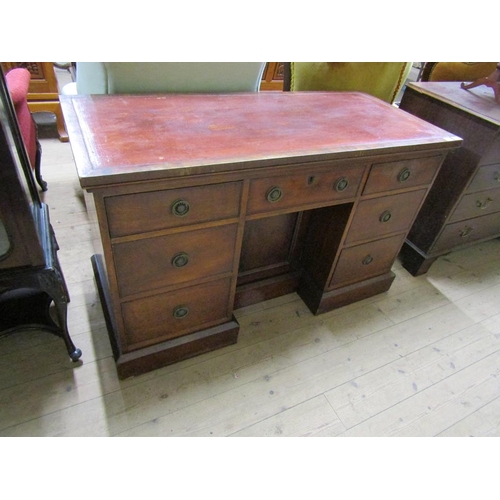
128,138
478,102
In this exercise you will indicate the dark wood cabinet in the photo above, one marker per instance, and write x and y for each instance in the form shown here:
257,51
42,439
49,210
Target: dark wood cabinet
463,206
31,279
203,205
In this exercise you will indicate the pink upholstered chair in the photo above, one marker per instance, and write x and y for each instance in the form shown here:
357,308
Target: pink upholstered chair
18,81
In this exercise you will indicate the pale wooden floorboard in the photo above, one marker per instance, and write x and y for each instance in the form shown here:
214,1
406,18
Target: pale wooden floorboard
420,360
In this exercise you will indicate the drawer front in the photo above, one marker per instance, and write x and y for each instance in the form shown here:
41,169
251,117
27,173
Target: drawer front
401,174
461,233
152,263
366,261
156,210
166,316
477,204
380,216
281,192
486,177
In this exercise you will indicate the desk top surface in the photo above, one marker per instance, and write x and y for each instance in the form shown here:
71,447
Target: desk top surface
479,101
121,138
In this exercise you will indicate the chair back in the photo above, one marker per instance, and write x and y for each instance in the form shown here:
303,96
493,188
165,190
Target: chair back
178,77
18,81
380,79
456,71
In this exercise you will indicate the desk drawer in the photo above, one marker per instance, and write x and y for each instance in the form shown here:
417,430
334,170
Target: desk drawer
276,193
477,204
152,263
366,261
403,174
388,214
461,233
486,177
169,315
155,210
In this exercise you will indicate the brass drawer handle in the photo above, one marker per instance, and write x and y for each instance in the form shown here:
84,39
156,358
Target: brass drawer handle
367,260
483,204
180,208
404,175
341,184
180,259
274,194
385,217
466,231
180,312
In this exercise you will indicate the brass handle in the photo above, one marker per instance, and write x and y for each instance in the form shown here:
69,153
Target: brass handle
180,259
341,184
466,231
385,216
483,204
496,176
180,208
404,175
367,260
274,194
180,312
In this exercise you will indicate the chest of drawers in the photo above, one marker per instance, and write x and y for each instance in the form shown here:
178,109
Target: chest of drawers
463,206
195,221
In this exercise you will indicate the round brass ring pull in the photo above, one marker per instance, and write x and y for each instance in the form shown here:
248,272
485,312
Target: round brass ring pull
180,208
404,175
385,216
367,260
180,259
341,184
180,312
274,194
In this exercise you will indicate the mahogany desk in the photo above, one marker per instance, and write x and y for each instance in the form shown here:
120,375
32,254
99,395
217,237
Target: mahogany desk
206,203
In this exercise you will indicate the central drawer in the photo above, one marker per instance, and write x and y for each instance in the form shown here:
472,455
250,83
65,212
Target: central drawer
312,187
151,263
155,210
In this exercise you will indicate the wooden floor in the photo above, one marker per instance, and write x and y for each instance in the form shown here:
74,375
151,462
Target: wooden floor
420,360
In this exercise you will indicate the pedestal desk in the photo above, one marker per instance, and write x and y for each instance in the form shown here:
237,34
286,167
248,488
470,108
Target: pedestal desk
463,206
206,203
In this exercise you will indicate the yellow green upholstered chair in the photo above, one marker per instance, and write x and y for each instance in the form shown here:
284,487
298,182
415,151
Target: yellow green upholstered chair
456,71
380,79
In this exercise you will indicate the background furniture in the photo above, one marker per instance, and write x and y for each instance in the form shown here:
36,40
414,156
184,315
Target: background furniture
43,95
379,79
31,279
272,78
18,81
147,77
456,71
463,206
221,207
